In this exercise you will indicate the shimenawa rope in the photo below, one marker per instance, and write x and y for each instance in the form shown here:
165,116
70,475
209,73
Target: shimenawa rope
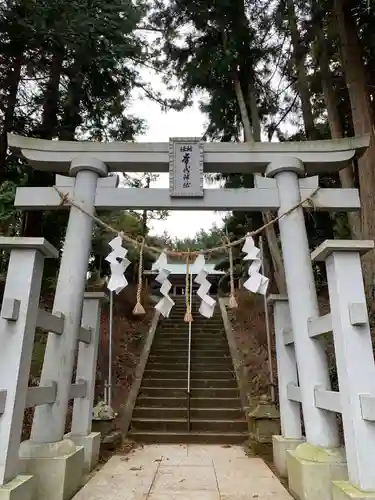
66,200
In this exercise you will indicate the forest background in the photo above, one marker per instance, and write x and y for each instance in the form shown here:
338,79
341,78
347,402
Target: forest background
262,70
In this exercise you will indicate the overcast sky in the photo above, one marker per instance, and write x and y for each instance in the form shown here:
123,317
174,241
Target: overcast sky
162,126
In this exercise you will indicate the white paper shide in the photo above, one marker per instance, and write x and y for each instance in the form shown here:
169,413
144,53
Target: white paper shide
207,306
164,306
257,283
119,263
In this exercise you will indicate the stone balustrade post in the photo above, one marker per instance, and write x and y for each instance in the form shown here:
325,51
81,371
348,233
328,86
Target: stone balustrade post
354,361
290,411
18,318
86,370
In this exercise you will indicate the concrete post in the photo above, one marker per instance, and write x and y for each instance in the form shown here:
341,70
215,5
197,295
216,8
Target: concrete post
320,425
49,420
86,370
17,330
290,411
354,354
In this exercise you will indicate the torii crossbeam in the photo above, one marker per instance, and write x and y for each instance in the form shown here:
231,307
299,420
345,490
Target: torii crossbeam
317,156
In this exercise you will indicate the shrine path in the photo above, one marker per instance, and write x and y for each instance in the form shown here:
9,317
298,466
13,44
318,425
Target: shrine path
184,472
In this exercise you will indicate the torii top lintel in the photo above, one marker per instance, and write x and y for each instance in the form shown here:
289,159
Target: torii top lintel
223,157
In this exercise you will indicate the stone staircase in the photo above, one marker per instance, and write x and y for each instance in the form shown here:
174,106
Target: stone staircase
160,414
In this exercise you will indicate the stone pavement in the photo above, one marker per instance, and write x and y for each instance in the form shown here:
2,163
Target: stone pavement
184,472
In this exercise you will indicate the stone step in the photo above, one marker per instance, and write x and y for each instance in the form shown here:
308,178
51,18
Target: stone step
160,414
229,383
180,392
181,358
195,374
196,327
179,425
203,346
195,413
202,332
178,315
184,339
198,336
179,309
188,437
179,312
195,356
206,351
195,341
181,402
194,367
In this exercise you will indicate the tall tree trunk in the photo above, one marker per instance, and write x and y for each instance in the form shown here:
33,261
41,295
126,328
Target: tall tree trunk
48,126
71,116
248,134
33,220
298,57
346,174
352,61
12,82
253,106
270,233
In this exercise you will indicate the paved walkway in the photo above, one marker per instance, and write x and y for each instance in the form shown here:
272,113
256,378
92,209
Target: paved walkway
184,472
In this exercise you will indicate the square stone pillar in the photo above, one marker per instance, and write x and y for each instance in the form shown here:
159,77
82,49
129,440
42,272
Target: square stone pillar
354,360
17,332
81,433
290,411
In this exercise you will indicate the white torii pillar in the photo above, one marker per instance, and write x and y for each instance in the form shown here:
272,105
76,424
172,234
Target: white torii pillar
320,426
321,456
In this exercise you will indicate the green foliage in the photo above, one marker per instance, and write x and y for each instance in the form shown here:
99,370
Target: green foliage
206,43
7,212
202,240
68,71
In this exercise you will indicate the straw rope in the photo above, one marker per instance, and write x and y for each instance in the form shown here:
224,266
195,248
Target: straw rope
232,299
67,200
139,309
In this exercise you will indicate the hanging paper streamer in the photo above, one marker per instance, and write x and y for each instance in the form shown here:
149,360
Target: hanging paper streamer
119,263
164,306
257,283
207,306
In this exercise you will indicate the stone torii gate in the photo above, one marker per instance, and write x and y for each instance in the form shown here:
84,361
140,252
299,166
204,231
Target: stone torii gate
291,171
